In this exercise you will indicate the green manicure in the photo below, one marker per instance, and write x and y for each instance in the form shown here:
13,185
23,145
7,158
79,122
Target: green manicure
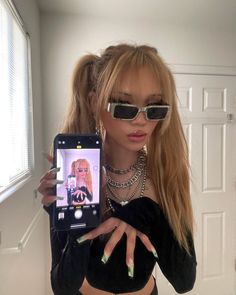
131,271
131,268
60,181
81,239
154,253
105,258
54,170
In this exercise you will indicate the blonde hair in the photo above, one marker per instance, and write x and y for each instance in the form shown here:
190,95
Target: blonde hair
88,179
167,151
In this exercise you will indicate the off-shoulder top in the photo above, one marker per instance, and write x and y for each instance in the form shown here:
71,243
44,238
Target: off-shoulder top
72,262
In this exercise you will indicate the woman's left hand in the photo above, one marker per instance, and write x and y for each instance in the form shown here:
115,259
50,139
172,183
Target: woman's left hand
119,227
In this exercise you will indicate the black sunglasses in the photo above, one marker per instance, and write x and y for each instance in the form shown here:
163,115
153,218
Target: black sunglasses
125,111
83,170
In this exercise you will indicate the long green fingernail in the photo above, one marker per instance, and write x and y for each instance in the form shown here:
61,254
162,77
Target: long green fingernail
56,181
55,170
81,239
154,252
131,268
105,258
131,271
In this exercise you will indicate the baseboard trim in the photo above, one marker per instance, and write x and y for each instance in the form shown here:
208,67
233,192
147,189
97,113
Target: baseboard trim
25,238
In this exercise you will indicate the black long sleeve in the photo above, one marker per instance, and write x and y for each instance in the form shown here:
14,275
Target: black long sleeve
69,260
68,275
73,262
177,265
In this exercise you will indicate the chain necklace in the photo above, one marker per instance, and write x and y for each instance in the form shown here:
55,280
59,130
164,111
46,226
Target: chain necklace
125,202
140,174
127,183
135,166
138,166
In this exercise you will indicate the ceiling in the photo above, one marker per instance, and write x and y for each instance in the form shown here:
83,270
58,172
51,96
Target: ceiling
214,13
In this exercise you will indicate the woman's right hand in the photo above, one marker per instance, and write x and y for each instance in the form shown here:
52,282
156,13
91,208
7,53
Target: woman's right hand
47,182
118,228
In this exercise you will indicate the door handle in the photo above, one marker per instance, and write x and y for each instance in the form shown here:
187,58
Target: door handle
230,118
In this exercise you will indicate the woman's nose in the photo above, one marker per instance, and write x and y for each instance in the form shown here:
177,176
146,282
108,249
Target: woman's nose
140,119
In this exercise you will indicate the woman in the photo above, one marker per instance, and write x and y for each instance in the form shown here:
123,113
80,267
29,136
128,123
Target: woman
128,95
83,182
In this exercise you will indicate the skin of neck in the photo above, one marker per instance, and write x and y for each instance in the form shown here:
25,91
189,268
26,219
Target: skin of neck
80,181
118,156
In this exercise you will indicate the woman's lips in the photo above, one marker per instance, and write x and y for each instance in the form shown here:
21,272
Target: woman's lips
137,136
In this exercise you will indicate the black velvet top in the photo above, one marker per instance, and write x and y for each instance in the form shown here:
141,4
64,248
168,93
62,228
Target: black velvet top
72,262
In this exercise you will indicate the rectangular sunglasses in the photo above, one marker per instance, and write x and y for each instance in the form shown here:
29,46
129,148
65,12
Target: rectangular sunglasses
130,112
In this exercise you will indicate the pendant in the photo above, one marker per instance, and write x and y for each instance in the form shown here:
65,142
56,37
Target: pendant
123,203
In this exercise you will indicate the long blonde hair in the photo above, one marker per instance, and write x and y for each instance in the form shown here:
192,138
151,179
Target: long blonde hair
167,151
88,179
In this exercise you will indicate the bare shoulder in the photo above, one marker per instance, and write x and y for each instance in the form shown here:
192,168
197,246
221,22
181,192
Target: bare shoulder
149,190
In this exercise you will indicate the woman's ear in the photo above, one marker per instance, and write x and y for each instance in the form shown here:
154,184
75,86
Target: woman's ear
93,102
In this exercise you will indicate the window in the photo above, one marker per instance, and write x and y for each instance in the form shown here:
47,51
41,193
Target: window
16,150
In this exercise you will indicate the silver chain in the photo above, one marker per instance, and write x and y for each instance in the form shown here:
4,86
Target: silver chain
133,167
141,172
139,166
127,183
125,202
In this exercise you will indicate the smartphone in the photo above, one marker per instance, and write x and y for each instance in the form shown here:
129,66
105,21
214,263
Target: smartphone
79,181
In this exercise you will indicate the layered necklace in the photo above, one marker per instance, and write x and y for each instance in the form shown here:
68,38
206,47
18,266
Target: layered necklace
135,184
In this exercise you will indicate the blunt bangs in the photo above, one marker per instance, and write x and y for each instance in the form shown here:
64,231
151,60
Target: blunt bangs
135,58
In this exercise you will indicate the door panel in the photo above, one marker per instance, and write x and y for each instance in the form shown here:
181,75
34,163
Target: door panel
205,103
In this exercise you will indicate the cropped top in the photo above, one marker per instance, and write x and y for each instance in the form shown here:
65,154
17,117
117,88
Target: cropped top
72,262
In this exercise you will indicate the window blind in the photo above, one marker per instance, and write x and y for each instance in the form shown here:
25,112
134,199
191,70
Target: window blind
16,156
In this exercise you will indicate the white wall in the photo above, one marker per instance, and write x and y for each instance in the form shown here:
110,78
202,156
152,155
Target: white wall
25,272
66,37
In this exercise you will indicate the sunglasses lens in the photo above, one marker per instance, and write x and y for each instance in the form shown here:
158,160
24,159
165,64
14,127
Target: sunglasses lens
83,169
154,113
125,112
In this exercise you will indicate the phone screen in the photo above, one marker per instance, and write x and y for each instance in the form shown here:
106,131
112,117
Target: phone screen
79,187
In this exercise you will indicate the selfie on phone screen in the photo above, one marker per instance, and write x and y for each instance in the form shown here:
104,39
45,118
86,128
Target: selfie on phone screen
79,182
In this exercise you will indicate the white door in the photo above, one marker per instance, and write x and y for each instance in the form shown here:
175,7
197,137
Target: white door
208,111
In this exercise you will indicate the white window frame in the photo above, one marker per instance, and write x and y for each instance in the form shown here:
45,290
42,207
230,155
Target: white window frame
20,178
